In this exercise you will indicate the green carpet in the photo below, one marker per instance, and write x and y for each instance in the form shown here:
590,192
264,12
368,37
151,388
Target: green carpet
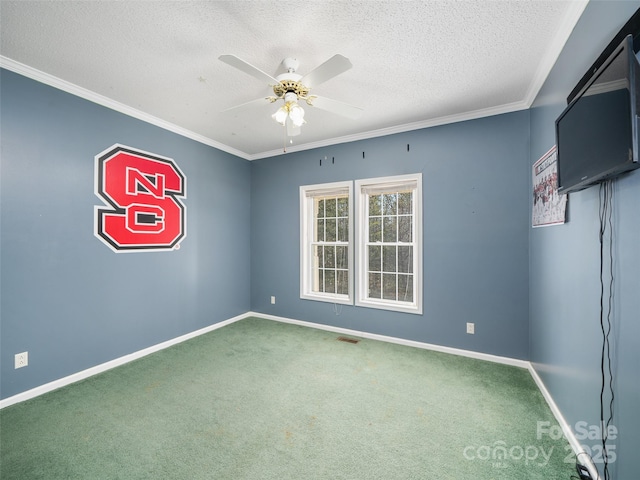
259,399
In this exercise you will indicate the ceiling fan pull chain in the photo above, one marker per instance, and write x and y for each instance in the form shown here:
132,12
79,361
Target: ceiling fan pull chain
284,139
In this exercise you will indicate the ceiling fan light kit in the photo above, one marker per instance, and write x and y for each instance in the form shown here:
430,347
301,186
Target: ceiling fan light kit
290,111
292,87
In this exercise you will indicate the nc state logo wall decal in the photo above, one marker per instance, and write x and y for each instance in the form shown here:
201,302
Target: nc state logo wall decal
142,193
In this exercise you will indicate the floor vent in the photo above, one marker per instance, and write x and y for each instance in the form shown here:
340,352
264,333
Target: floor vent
348,340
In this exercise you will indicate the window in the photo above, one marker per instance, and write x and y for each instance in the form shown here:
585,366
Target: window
388,248
326,256
389,215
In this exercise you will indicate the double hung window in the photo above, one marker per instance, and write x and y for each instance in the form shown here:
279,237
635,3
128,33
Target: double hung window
386,269
389,212
326,246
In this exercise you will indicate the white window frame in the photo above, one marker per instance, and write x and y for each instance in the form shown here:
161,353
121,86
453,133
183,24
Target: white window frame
307,225
381,184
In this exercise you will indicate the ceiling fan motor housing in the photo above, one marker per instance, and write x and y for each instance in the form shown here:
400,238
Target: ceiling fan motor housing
290,81
289,85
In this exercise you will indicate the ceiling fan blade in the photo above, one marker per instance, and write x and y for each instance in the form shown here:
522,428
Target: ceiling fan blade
256,102
334,106
248,68
329,69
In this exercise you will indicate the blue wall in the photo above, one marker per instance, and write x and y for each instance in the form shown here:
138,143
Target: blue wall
565,336
475,184
66,298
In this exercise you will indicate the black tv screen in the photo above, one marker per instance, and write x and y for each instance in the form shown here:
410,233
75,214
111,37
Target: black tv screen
597,134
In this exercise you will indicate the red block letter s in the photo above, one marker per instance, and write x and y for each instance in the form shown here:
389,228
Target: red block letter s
143,192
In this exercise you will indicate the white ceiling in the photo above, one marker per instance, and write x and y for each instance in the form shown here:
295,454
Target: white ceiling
415,63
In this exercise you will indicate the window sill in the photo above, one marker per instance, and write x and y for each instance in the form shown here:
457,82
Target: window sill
396,306
341,299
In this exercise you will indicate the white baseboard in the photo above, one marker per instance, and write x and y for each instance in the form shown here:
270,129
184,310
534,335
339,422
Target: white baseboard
566,429
76,377
400,341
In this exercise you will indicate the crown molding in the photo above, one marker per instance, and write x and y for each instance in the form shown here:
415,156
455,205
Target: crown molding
81,92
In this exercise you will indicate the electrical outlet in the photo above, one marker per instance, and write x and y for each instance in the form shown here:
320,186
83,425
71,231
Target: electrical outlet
273,300
22,359
471,328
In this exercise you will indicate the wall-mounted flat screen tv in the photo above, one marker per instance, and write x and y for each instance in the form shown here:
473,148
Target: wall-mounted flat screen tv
597,134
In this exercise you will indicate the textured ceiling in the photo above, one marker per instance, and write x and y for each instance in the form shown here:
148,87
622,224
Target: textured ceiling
415,63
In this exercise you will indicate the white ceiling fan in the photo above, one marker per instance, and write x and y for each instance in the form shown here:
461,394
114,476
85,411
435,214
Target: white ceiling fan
292,87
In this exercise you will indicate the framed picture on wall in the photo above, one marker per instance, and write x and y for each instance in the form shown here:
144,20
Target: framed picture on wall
549,208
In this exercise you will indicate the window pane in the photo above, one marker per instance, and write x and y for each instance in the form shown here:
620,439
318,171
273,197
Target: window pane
330,230
405,259
405,288
342,256
343,229
330,207
319,285
319,208
319,231
375,260
320,256
390,226
375,229
405,203
375,205
342,282
389,286
329,257
330,281
343,207
390,203
389,258
404,229
374,285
